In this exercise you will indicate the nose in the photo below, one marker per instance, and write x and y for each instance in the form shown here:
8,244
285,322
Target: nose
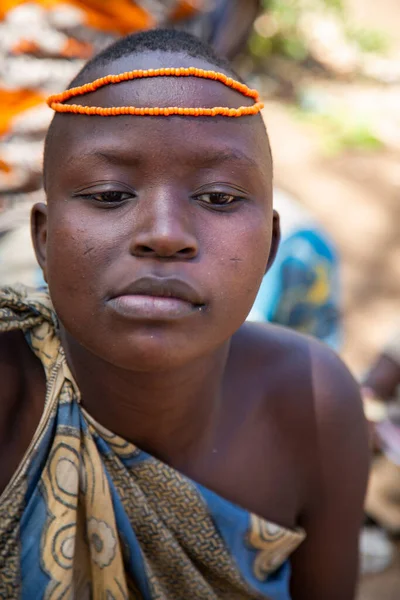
164,228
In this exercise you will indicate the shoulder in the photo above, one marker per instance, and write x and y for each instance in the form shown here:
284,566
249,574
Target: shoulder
22,393
16,366
21,373
12,384
313,399
316,405
11,373
299,366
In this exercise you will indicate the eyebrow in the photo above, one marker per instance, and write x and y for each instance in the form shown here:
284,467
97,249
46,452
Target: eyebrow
213,157
204,159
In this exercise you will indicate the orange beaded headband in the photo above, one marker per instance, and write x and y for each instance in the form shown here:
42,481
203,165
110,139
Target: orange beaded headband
56,101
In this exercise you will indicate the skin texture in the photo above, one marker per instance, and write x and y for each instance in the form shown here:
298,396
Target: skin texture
265,417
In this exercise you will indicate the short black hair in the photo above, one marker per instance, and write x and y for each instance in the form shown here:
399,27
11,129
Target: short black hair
153,40
165,40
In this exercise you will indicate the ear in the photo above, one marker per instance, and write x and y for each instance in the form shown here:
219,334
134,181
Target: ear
39,235
276,238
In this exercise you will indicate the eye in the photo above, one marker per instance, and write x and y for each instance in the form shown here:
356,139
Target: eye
111,197
217,198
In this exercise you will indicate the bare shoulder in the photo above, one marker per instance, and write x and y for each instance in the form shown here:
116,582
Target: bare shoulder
22,394
316,404
11,348
305,371
309,394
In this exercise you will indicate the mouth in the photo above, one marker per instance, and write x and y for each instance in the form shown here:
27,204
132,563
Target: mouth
157,298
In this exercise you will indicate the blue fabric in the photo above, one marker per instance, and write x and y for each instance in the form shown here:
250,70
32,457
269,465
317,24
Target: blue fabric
301,290
90,515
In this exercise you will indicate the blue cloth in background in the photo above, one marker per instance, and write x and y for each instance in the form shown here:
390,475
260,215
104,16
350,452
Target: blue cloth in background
301,290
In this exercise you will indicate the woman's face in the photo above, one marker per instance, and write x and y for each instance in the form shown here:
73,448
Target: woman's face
158,229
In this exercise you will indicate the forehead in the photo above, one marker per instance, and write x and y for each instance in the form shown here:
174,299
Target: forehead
176,138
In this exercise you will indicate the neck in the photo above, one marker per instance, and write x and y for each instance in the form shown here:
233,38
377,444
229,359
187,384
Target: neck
170,414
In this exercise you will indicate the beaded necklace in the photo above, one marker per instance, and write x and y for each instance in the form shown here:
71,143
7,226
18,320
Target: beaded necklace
56,101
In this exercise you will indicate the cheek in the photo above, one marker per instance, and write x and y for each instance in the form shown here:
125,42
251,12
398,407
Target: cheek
78,249
75,267
243,257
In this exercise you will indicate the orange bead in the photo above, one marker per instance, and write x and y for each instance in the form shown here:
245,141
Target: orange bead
57,101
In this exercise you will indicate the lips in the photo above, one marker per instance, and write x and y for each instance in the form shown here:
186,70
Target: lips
156,298
162,287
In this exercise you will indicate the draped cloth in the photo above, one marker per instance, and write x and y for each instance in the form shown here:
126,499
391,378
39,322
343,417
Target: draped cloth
89,515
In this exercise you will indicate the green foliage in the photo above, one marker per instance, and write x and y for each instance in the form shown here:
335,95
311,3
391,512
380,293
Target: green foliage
298,5
341,130
278,31
369,40
284,36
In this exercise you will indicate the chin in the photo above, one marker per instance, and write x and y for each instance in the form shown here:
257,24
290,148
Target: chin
149,352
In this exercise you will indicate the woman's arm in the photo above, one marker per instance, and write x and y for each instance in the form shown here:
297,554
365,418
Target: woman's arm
326,566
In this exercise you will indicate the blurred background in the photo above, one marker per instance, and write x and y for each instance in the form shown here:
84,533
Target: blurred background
329,73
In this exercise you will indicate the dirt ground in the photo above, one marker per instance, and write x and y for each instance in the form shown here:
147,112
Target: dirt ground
383,586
